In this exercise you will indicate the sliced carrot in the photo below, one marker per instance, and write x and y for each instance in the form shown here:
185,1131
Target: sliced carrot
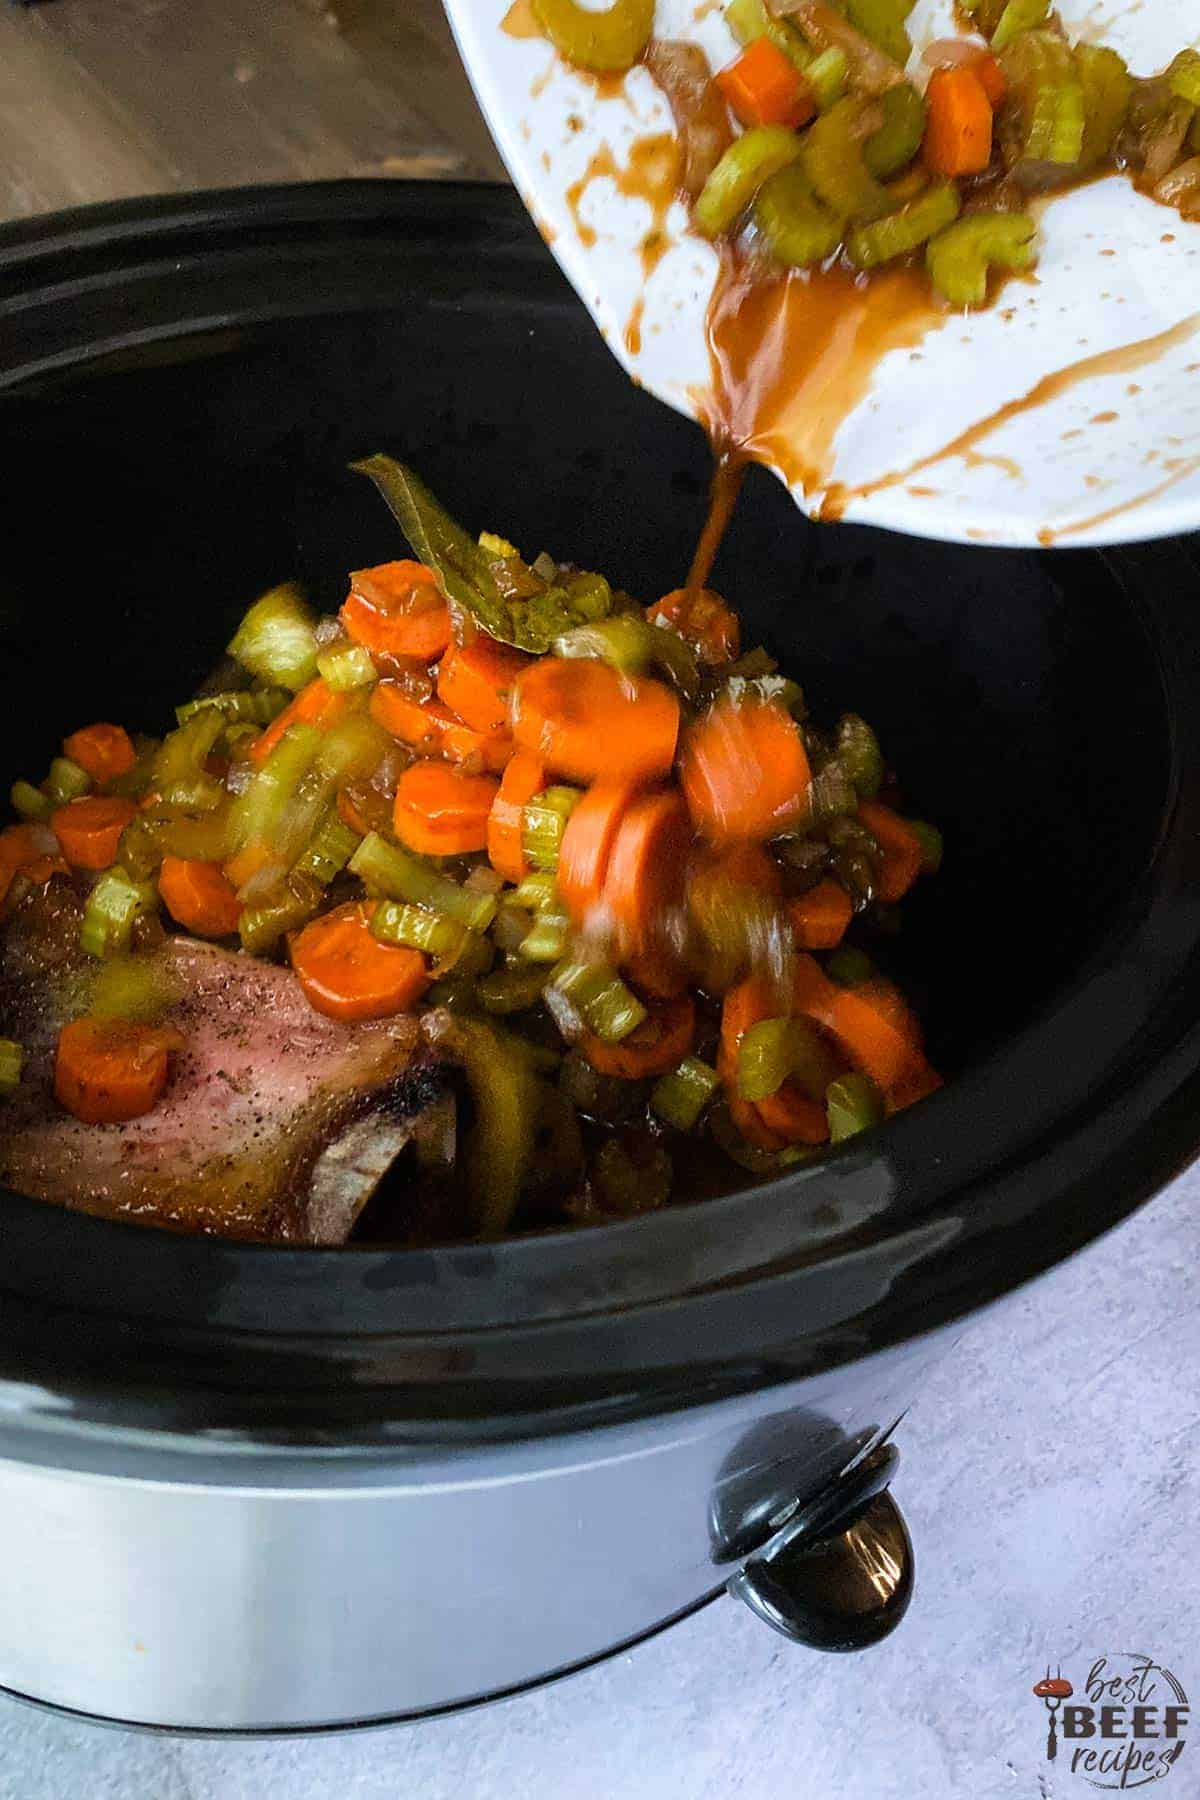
791,1115
397,609
441,810
747,1004
921,1082
764,88
587,720
434,730
23,850
901,849
476,681
870,1040
524,777
348,974
746,866
659,1043
587,843
104,751
646,870
958,126
198,896
703,620
820,917
744,770
315,704
108,1070
89,829
990,76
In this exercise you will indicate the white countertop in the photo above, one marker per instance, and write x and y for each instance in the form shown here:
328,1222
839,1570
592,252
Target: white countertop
1052,1488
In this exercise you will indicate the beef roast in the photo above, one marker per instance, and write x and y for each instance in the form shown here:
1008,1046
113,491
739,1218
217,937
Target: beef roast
277,1123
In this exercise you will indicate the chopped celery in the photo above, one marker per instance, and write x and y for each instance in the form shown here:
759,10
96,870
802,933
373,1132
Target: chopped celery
749,161
396,922
622,641
1019,16
930,839
959,258
779,1050
848,966
178,772
141,848
795,226
827,76
243,706
882,23
276,640
29,801
259,815
346,666
901,232
11,1058
898,139
1184,78
291,905
113,907
607,42
544,821
136,988
1107,88
329,849
859,754
605,1004
1042,120
400,875
749,19
537,893
66,781
682,1096
546,940
512,989
834,163
852,1104
492,544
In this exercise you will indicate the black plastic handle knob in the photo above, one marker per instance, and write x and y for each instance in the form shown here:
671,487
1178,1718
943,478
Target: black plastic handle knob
839,1576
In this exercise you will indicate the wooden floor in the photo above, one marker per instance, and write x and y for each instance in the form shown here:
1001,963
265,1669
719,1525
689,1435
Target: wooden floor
105,98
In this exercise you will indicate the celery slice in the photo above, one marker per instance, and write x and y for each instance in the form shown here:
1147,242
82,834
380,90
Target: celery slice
276,640
112,908
400,875
958,259
680,1097
749,161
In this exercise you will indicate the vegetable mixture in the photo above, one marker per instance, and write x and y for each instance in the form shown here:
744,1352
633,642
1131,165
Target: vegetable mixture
599,848
839,154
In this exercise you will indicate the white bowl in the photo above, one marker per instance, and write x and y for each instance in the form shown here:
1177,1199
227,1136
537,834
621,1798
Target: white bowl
1108,454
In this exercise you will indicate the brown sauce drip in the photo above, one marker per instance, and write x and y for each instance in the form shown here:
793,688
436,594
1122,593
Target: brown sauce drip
652,174
1184,467
633,327
729,470
1122,360
792,356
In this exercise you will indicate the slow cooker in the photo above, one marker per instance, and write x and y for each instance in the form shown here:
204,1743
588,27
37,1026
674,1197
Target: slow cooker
246,1488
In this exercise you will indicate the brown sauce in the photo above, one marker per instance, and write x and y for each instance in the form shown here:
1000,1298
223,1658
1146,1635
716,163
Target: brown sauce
651,173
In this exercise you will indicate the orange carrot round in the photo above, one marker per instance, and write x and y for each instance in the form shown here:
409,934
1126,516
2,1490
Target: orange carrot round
819,918
744,770
703,620
587,720
791,1115
662,1040
315,704
198,896
89,829
747,1004
476,681
431,728
587,843
901,849
348,974
104,751
108,1070
524,777
657,973
646,869
397,609
867,1037
441,810
958,128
